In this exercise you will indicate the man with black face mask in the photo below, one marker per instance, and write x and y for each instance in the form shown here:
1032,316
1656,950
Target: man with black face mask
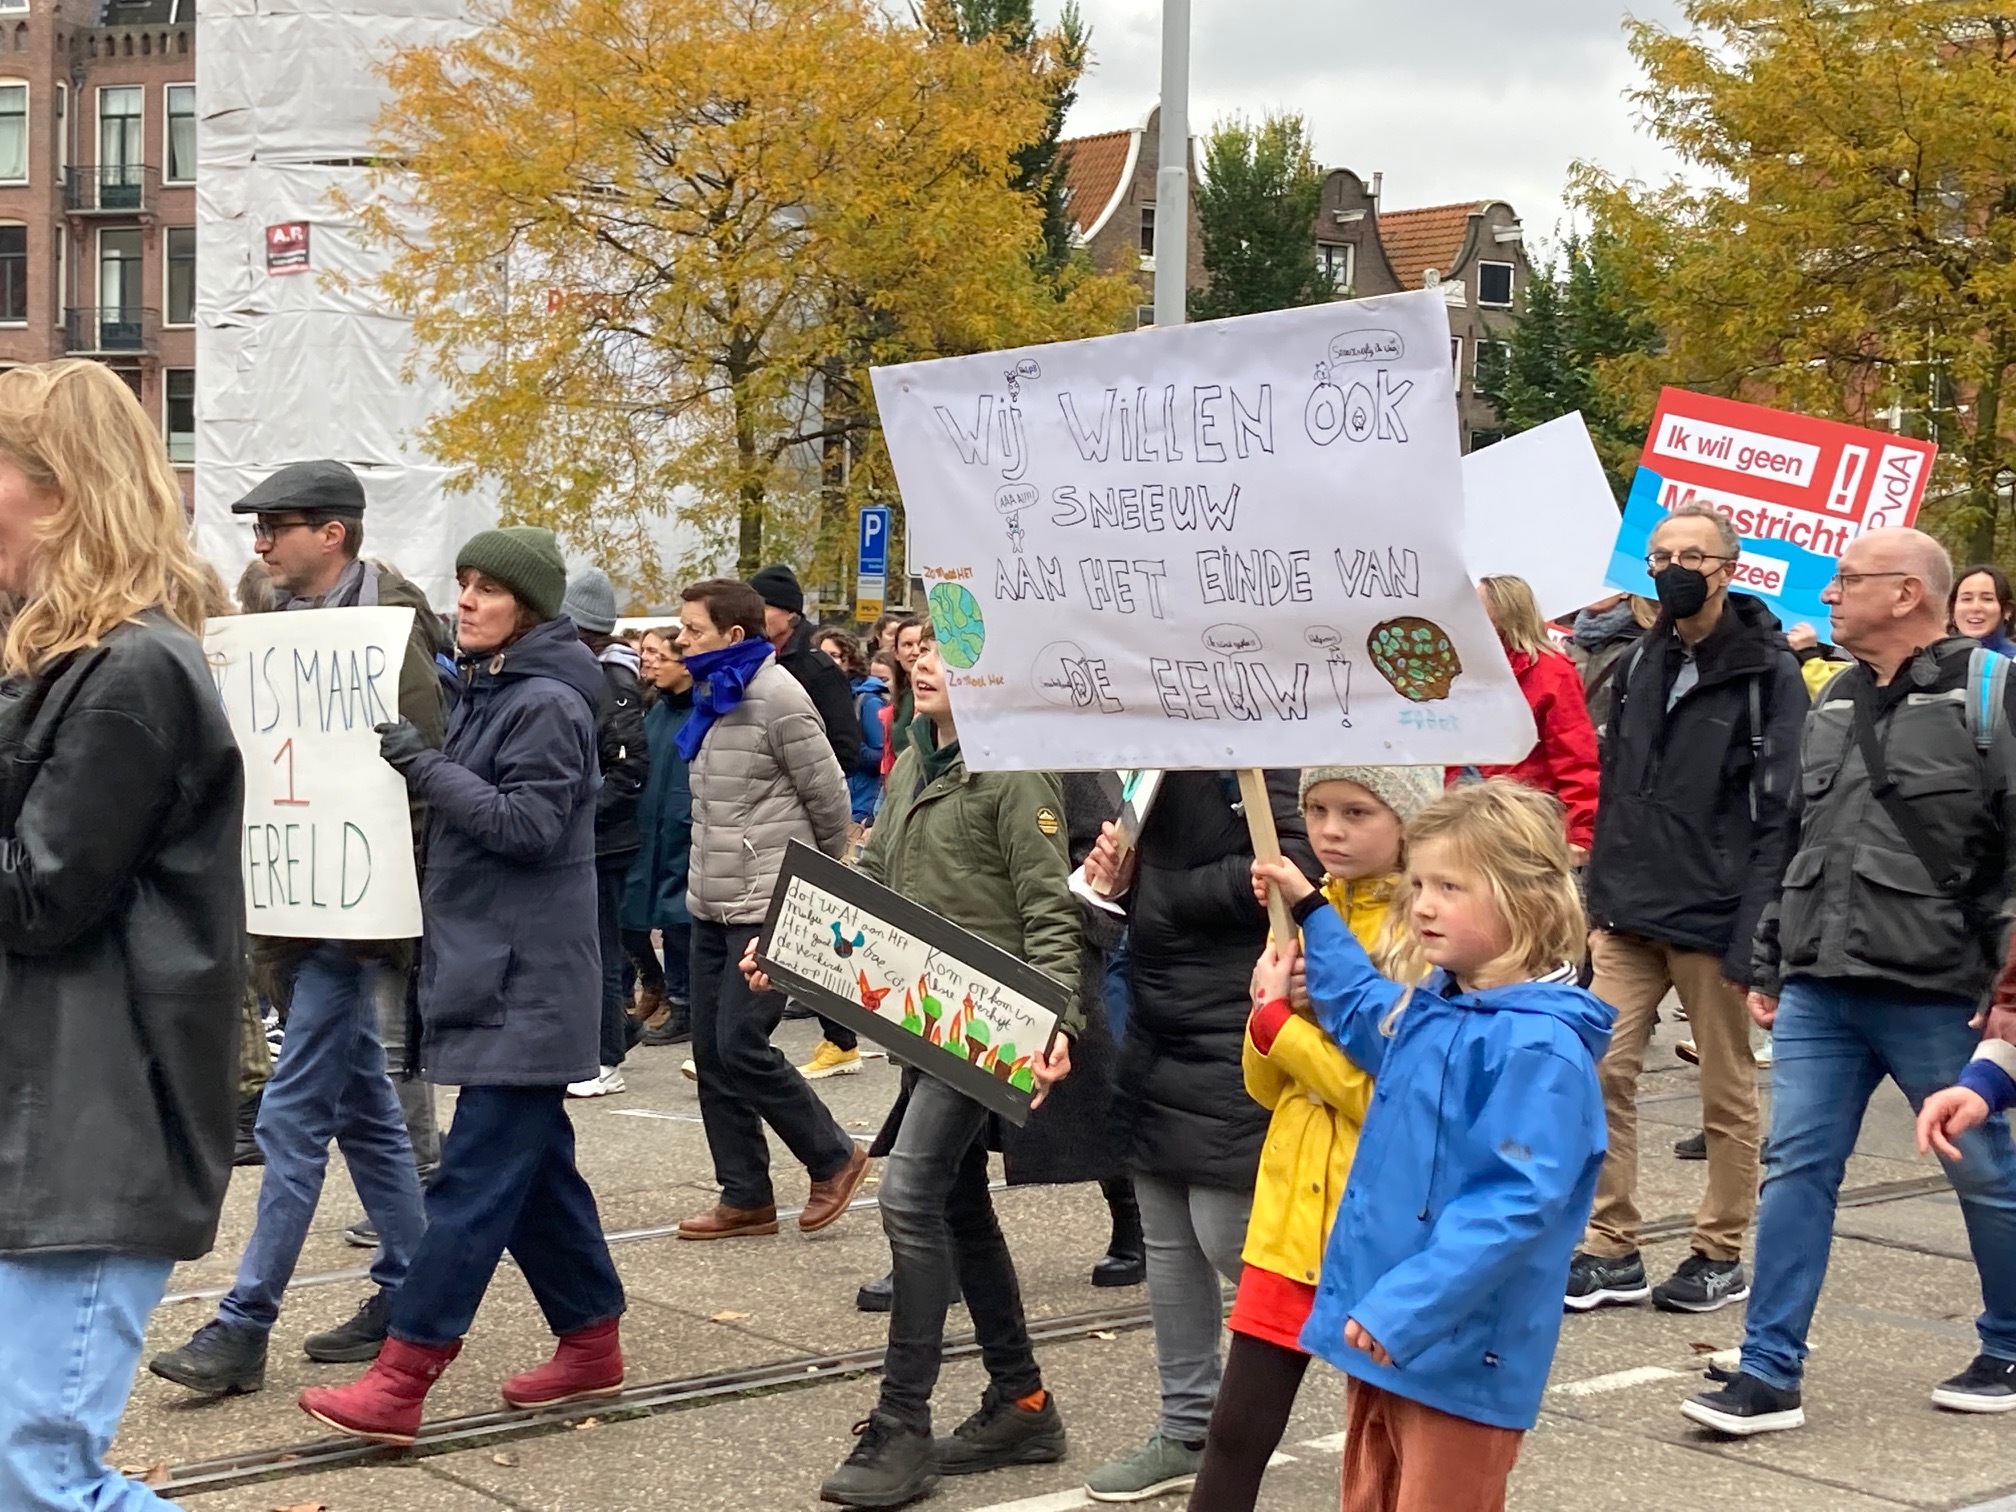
1702,753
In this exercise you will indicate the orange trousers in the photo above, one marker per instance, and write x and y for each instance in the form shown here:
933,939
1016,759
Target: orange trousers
1400,1456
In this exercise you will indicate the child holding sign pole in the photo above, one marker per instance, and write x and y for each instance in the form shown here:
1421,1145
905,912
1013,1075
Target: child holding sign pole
1440,1290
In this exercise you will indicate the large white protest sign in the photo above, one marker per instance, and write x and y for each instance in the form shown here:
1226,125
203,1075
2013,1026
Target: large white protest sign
1537,506
1236,544
328,843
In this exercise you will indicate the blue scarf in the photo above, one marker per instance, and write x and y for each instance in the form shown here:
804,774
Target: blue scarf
720,678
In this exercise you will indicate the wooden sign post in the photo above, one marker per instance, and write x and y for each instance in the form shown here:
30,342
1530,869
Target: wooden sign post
1266,846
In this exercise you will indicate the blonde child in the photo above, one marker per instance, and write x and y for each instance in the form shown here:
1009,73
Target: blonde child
1356,817
1441,1287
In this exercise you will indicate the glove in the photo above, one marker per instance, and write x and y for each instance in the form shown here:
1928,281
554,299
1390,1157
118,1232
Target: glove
401,745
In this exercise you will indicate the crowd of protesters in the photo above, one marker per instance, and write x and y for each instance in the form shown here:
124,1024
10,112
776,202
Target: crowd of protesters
1407,1135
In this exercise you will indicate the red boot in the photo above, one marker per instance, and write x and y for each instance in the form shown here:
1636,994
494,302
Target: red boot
588,1363
384,1403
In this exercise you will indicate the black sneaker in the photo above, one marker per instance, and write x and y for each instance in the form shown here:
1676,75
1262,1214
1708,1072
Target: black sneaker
876,1296
1702,1285
1600,1281
1693,1147
1988,1385
361,1235
891,1465
1002,1433
357,1340
218,1360
1745,1406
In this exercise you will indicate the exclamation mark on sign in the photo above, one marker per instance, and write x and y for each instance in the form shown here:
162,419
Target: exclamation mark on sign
1848,479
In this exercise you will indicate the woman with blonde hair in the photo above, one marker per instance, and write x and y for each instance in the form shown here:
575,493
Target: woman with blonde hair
121,923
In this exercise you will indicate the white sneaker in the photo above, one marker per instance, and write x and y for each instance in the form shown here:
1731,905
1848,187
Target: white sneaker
609,1080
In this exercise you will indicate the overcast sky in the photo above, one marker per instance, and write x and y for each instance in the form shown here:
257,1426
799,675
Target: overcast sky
1467,99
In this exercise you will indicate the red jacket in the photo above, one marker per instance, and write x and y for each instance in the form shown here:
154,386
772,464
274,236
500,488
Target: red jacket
1563,760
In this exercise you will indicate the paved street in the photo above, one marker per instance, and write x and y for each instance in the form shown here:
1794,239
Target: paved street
776,1318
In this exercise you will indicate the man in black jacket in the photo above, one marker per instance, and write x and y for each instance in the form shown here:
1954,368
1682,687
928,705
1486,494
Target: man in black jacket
619,745
832,695
1702,755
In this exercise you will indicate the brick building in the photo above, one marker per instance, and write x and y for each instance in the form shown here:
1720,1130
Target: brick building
1475,253
98,199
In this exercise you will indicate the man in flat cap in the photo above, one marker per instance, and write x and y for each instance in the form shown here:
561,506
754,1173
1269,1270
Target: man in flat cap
331,1080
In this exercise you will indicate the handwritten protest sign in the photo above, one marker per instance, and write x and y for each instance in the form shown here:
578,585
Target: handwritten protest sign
328,844
1537,506
1234,544
931,993
1798,490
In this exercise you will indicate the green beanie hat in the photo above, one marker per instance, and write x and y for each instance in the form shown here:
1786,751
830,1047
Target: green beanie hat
524,558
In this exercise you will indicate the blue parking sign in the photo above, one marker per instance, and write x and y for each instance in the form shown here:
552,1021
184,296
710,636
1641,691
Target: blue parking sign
874,543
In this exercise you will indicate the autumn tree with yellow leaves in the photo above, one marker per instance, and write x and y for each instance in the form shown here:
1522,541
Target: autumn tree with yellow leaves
1847,243
660,242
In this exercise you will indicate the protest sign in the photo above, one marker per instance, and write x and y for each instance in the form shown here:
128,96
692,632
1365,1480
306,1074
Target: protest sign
932,994
1798,490
1233,544
1537,506
328,845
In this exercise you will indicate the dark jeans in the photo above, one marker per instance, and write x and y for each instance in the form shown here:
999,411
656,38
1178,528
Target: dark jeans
939,1219
745,1081
610,875
838,1034
508,1182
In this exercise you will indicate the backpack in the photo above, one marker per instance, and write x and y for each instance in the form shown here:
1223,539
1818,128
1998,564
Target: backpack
1756,714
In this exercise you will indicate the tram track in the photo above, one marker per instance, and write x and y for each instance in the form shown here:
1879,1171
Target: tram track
649,1398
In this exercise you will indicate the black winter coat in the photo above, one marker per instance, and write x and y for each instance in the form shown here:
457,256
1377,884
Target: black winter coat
1194,932
1678,856
830,691
122,948
623,753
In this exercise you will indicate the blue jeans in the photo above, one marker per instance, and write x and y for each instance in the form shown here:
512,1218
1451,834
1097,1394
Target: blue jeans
75,1321
508,1182
1835,1042
329,1083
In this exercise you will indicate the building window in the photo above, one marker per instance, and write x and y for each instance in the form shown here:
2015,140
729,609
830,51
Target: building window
1144,316
119,281
120,147
1456,361
13,133
1494,284
62,250
1147,230
62,129
178,414
181,281
1337,261
13,5
1493,357
181,159
14,274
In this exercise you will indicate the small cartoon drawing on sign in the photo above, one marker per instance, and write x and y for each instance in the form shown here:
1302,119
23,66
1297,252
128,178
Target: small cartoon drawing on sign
962,632
1011,499
1415,656
1331,643
845,945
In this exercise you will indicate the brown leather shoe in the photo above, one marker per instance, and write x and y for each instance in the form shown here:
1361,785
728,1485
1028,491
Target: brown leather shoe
829,1198
724,1222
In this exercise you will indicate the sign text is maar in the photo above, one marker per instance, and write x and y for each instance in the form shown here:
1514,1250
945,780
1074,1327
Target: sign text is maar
1798,490
1221,545
328,843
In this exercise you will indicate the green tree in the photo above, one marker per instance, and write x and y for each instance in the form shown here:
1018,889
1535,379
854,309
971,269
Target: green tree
1577,317
1256,217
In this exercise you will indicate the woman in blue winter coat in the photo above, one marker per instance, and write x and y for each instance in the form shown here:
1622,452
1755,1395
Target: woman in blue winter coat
1441,1286
655,895
510,997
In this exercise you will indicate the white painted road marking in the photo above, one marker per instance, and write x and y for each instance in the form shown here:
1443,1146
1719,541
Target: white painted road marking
1617,1381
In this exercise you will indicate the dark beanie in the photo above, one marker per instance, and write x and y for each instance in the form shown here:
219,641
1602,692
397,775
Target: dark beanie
778,587
524,558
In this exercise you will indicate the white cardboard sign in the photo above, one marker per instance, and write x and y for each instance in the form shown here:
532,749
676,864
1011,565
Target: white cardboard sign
327,850
1235,544
1537,506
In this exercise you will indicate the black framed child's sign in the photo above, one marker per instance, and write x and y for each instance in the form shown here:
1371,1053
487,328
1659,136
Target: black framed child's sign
929,992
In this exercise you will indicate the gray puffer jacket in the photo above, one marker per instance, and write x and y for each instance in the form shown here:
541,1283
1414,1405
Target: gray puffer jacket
765,776
1858,904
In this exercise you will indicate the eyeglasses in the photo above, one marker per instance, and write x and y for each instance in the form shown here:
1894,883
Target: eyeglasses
263,530
1841,582
1692,560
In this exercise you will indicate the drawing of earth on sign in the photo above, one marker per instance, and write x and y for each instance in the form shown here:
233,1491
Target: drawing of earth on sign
955,616
1415,656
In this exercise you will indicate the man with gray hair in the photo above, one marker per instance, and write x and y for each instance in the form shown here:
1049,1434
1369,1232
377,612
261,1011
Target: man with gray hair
1876,954
1702,752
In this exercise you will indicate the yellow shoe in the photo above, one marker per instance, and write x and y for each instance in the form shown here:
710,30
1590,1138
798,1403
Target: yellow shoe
830,1060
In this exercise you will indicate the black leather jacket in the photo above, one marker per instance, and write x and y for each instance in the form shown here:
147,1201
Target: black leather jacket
122,948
